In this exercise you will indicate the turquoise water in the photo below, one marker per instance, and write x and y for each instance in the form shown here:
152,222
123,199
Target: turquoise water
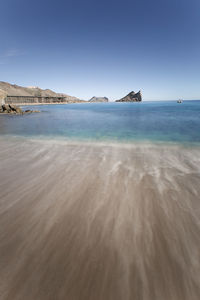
158,121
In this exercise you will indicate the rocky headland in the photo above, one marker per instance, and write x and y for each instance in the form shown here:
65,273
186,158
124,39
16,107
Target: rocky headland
16,90
131,97
14,94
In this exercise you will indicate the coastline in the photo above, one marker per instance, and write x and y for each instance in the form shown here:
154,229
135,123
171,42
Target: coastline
38,104
92,220
112,143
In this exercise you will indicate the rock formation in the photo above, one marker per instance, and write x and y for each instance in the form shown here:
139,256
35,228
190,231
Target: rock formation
13,109
131,97
98,99
15,90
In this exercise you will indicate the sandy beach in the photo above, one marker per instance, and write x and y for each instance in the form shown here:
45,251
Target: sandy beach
99,222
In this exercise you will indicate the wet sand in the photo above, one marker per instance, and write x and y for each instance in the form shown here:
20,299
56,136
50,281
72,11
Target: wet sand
99,222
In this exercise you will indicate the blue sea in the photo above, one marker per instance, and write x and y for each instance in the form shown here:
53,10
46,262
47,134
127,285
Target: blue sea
156,121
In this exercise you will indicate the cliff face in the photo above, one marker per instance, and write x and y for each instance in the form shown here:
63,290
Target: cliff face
15,90
131,97
98,99
2,97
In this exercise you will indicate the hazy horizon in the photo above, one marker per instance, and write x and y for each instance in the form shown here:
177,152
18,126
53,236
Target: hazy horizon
92,48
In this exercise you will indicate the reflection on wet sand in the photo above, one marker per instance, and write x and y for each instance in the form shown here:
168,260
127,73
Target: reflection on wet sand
97,222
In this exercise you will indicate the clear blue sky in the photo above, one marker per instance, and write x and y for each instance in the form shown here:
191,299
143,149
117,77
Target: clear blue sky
103,48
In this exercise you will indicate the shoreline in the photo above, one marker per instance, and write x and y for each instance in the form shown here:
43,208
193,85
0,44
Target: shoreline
59,140
33,104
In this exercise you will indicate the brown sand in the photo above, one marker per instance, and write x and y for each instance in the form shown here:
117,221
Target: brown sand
97,222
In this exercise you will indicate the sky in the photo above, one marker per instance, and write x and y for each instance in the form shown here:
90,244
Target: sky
103,48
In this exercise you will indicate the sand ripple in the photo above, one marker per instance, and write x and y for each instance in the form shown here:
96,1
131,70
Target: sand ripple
97,222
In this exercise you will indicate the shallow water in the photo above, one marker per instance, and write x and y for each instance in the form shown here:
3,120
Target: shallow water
156,121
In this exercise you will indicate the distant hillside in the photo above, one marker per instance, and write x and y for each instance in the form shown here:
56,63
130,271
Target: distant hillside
98,99
15,90
131,97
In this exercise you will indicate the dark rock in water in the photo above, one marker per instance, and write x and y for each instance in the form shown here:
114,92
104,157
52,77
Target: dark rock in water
13,112
13,109
98,99
6,108
131,97
10,109
19,110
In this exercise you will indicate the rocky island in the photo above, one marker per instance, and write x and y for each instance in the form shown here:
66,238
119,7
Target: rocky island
98,99
131,97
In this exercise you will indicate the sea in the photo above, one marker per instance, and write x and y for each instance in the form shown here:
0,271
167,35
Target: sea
154,121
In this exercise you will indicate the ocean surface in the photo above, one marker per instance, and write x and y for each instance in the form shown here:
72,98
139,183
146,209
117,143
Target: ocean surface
156,121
